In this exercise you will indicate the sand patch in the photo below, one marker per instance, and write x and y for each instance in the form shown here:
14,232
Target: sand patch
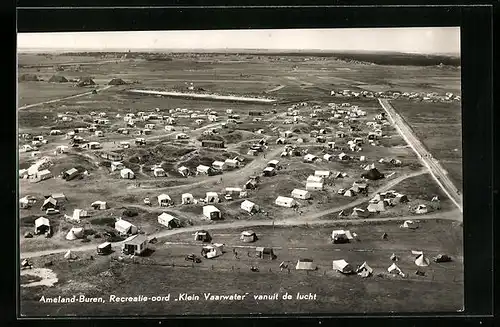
49,278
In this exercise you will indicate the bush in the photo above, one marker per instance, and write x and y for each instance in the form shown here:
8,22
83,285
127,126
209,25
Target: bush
28,221
103,221
130,213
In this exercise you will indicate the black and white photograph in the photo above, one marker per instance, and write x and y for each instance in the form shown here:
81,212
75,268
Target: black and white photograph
246,171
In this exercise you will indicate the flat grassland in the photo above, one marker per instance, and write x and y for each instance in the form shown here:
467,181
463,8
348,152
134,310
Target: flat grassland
439,127
166,271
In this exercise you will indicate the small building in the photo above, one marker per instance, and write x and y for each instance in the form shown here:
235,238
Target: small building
211,212
283,201
249,206
125,228
219,165
202,236
265,253
127,174
315,179
187,198
164,200
232,163
212,143
99,205
168,221
135,245
301,194
42,226
322,173
305,264
314,186
248,236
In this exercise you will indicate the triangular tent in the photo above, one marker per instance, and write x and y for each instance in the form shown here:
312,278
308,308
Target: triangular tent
58,79
422,261
373,174
117,81
69,255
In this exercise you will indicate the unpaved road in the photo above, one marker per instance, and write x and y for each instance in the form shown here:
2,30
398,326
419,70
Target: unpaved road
450,215
437,171
64,98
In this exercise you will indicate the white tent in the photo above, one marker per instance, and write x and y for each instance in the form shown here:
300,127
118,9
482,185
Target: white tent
79,213
394,269
187,198
305,264
301,194
285,201
341,234
409,224
69,255
127,173
124,227
314,186
342,266
315,179
99,205
211,212
74,233
249,206
212,197
364,270
168,220
213,250
422,261
421,209
164,200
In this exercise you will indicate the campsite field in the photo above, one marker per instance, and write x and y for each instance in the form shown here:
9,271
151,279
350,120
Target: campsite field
305,84
166,272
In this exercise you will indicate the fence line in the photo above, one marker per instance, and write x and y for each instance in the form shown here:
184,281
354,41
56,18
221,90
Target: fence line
320,272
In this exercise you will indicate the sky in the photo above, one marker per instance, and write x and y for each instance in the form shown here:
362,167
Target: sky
429,40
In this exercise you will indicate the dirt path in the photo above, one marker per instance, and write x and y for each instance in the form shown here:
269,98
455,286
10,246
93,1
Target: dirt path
277,88
64,98
450,215
437,171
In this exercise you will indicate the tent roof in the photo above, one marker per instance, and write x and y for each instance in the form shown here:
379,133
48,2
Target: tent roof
42,221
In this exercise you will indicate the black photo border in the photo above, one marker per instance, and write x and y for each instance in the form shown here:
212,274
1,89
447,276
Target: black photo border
476,23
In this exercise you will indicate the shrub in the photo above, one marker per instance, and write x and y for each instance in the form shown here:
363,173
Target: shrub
28,221
130,213
108,221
